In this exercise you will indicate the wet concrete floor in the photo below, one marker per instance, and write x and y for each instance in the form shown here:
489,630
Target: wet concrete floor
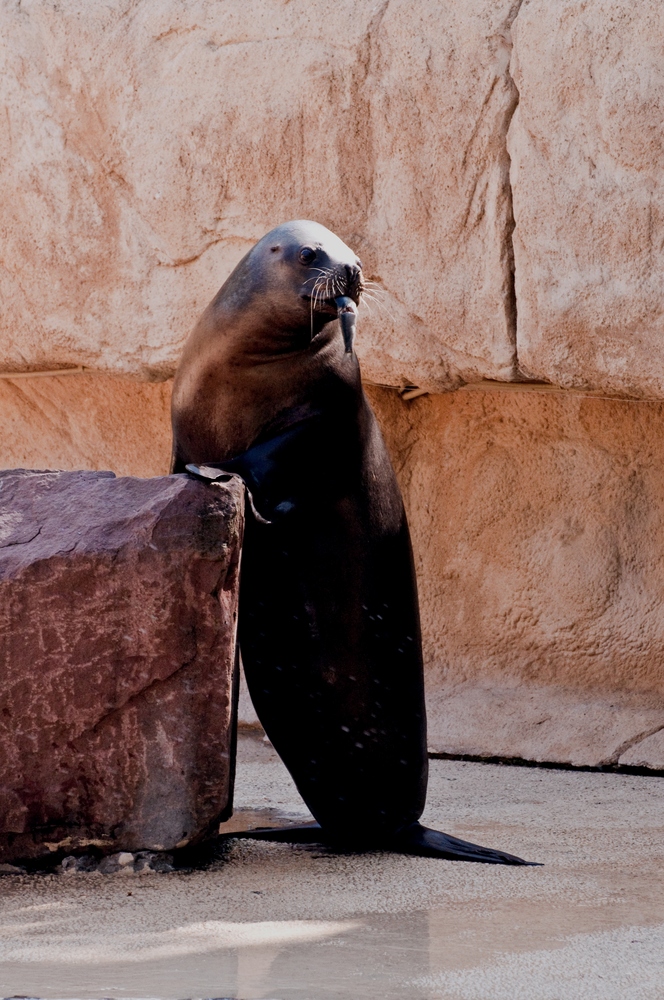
274,922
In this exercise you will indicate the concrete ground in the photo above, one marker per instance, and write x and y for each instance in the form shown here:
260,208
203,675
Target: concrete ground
299,923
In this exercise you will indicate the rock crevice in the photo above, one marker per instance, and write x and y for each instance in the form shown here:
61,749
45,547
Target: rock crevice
511,304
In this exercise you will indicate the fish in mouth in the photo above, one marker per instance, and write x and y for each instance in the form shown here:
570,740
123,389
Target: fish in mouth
335,291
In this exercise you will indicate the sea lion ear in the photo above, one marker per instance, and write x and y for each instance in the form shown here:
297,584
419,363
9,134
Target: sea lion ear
275,249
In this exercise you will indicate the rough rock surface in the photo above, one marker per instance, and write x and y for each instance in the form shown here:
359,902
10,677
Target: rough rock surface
538,530
587,147
117,639
149,143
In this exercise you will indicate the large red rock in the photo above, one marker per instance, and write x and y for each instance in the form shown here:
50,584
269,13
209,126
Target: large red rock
118,614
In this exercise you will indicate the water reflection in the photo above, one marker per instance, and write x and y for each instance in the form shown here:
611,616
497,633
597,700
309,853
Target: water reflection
456,953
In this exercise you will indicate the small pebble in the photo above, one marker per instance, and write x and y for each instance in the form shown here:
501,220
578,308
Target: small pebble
122,863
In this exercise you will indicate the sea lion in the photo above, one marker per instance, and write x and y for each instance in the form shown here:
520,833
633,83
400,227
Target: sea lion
329,631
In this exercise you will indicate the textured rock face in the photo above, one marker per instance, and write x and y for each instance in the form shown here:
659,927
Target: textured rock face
587,149
538,530
117,637
150,144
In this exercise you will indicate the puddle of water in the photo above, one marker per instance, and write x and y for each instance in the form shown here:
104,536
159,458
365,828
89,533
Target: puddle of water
295,924
432,955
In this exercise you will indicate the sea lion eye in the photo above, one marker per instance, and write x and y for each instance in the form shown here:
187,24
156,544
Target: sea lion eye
307,255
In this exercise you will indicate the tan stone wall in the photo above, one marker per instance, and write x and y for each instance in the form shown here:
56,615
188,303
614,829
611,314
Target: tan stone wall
148,143
587,148
86,422
538,531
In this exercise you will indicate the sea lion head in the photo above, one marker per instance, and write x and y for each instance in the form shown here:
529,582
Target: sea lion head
307,277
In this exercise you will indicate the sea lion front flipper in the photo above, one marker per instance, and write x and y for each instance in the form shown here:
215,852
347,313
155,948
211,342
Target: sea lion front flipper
213,474
427,843
276,479
305,833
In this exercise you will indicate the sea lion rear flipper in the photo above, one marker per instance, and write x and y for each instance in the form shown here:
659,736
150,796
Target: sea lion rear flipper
427,843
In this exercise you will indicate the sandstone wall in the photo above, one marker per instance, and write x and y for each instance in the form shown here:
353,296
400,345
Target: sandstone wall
538,531
497,165
587,148
86,422
147,145
150,144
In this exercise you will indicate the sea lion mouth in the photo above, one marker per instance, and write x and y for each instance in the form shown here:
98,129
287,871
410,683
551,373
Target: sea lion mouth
321,305
344,308
337,292
347,313
325,285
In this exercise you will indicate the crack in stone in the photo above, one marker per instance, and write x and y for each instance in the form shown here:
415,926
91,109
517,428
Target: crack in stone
628,744
21,541
132,699
511,310
181,261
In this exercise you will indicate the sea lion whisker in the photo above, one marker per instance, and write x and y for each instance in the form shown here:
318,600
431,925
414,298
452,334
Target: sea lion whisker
373,298
375,289
317,277
375,295
319,287
318,284
321,272
379,305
